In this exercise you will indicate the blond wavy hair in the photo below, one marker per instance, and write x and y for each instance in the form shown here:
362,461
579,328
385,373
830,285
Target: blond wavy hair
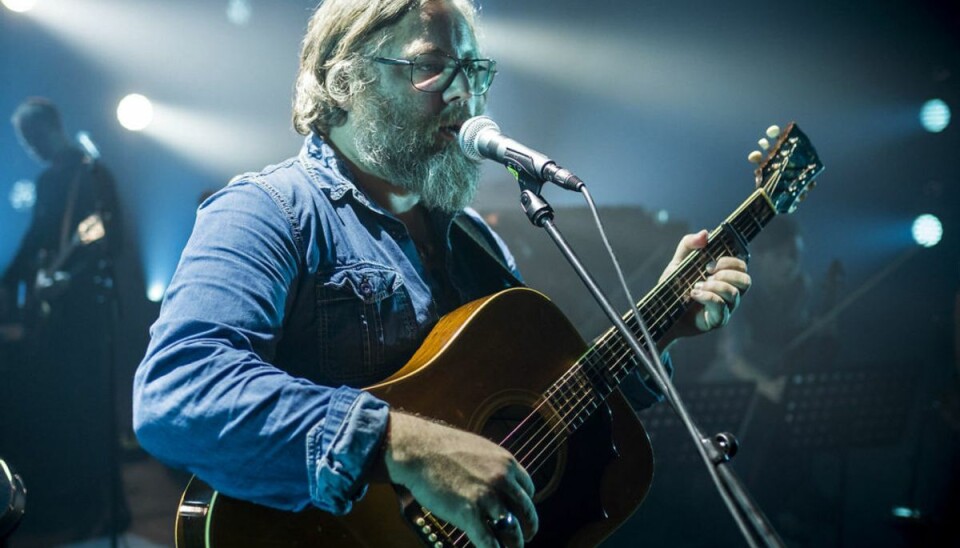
334,61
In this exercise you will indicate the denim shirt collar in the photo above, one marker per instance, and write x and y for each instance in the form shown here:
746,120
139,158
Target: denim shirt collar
316,153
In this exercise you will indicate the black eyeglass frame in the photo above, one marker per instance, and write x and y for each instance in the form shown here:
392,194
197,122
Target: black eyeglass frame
462,65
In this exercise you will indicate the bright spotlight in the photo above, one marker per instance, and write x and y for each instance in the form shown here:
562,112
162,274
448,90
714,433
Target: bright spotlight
135,112
156,291
935,116
927,230
20,6
239,12
23,195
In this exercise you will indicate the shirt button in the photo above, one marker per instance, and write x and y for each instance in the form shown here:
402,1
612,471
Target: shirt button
366,288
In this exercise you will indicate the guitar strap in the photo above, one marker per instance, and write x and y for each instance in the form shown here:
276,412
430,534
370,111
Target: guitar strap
480,240
66,221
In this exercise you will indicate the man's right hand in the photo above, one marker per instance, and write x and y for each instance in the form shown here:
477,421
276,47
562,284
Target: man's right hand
461,478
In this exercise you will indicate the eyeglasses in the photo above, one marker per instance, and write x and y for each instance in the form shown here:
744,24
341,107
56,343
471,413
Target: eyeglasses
433,72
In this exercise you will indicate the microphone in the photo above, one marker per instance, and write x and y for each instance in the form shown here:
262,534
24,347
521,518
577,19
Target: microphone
480,138
88,146
90,150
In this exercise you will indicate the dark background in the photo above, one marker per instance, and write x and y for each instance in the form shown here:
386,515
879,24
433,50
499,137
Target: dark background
655,104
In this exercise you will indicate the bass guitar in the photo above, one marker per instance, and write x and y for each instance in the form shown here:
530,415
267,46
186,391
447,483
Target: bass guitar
554,402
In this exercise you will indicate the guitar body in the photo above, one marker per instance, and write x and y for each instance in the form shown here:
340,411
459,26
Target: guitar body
483,368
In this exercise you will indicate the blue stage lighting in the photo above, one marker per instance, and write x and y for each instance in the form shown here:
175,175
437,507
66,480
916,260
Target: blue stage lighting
905,512
23,195
155,291
135,112
935,116
20,6
239,12
927,230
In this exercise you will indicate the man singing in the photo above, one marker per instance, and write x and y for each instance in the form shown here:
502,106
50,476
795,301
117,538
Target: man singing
324,273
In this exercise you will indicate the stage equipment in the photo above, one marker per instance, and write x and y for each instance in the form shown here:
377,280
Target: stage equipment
13,500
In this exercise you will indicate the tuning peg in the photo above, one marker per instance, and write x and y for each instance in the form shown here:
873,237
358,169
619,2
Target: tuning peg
755,157
764,144
773,132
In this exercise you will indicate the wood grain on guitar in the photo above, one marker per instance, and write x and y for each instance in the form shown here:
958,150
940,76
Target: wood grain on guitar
554,402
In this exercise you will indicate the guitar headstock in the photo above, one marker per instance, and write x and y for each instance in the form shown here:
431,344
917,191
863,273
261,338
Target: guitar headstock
789,170
91,229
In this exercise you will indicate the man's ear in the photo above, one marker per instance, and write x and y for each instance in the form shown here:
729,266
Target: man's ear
338,85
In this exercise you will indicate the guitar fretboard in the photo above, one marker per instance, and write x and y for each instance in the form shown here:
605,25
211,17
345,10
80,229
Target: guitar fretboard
783,178
583,388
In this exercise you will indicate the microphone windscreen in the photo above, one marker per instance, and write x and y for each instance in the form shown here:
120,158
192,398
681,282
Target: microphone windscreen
469,135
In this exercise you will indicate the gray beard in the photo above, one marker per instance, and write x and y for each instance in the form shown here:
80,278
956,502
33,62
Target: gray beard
405,151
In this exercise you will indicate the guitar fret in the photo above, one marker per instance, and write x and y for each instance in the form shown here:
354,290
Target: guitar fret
667,303
610,360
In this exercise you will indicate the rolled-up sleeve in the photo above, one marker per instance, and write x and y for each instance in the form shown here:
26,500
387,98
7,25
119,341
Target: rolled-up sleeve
206,397
640,389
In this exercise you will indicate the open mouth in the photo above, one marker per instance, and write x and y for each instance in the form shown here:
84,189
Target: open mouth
451,130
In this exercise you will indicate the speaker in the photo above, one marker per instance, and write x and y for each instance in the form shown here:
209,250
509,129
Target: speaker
13,500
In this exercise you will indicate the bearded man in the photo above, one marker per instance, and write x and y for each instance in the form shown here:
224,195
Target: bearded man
323,274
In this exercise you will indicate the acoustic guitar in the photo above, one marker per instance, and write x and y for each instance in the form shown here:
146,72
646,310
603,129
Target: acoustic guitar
553,401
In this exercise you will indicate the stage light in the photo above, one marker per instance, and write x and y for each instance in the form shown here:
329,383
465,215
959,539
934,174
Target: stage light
23,195
904,512
156,291
663,216
239,12
927,230
135,112
20,6
935,116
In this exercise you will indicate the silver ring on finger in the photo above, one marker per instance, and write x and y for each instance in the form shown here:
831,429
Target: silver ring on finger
503,522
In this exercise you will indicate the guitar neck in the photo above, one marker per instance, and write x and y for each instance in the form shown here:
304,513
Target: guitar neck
604,366
90,230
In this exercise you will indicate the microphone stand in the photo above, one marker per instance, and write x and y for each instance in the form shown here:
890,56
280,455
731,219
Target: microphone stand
717,450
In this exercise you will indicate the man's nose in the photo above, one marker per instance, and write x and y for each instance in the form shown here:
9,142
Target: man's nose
459,88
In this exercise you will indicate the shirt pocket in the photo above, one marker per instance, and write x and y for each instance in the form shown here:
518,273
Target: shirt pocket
366,325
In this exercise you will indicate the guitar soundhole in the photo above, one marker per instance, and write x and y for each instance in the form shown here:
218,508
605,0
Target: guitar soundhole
532,441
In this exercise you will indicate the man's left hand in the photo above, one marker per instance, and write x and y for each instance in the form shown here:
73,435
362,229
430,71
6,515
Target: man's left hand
718,296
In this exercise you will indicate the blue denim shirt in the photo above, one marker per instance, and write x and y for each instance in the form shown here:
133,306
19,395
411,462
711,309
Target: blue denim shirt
293,291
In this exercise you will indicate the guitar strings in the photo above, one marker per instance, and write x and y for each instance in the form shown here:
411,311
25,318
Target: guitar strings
601,352
587,377
583,391
618,369
619,351
598,361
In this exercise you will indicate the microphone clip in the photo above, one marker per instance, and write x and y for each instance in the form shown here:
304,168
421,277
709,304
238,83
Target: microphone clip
534,206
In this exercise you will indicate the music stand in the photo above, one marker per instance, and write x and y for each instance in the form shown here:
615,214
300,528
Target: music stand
717,407
866,406
850,408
